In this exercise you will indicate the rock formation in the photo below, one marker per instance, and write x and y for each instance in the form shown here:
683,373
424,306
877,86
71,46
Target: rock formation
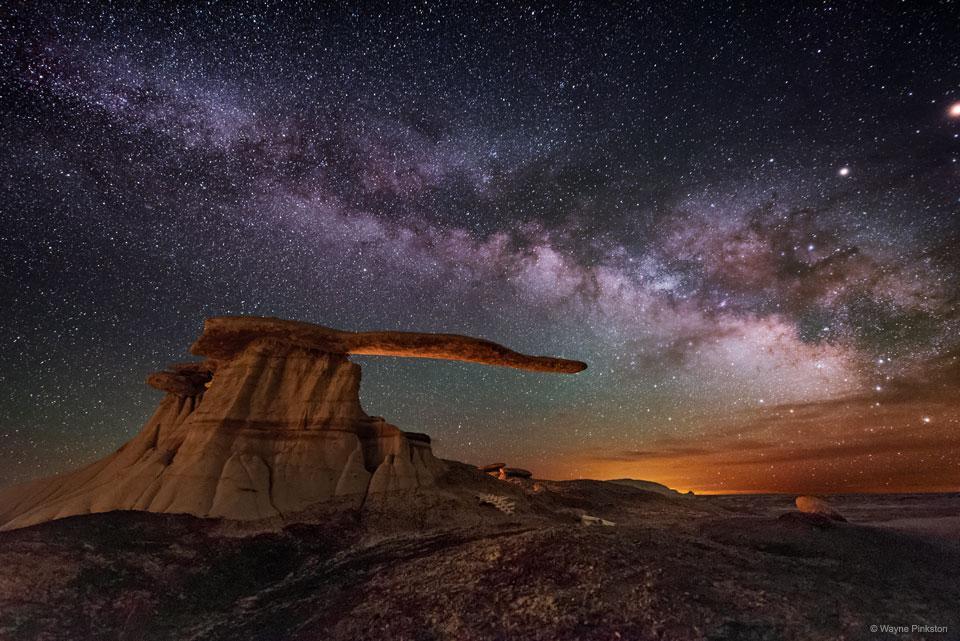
225,336
814,505
269,424
650,486
502,472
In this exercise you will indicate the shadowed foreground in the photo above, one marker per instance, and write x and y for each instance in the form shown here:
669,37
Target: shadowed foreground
442,565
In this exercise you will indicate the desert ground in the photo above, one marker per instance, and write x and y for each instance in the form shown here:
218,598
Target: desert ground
477,557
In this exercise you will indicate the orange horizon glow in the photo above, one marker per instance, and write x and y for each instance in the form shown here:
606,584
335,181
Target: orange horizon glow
856,445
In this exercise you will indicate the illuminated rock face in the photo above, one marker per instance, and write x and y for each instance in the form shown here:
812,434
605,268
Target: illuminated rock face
225,336
279,427
269,424
814,505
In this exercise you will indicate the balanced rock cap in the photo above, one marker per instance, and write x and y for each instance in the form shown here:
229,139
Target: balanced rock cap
226,336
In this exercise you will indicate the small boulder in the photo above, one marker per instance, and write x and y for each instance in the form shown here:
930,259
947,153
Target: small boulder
814,505
517,473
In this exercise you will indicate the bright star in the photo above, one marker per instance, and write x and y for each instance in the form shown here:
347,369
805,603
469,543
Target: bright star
954,110
844,171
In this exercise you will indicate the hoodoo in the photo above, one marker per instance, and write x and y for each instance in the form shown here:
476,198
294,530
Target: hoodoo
267,425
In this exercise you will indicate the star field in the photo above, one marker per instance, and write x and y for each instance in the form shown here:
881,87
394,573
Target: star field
744,220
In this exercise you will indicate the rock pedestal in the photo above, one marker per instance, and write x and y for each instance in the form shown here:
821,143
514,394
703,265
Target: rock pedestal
279,427
269,424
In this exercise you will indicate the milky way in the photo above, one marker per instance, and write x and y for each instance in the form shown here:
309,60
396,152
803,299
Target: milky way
746,222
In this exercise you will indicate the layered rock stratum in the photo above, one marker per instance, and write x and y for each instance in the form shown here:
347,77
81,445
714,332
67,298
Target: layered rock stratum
268,425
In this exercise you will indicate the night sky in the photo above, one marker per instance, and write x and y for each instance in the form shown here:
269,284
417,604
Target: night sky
745,218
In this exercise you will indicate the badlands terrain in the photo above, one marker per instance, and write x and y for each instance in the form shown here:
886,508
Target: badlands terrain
476,557
262,502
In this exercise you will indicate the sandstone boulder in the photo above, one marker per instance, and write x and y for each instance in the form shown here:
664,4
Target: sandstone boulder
814,505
